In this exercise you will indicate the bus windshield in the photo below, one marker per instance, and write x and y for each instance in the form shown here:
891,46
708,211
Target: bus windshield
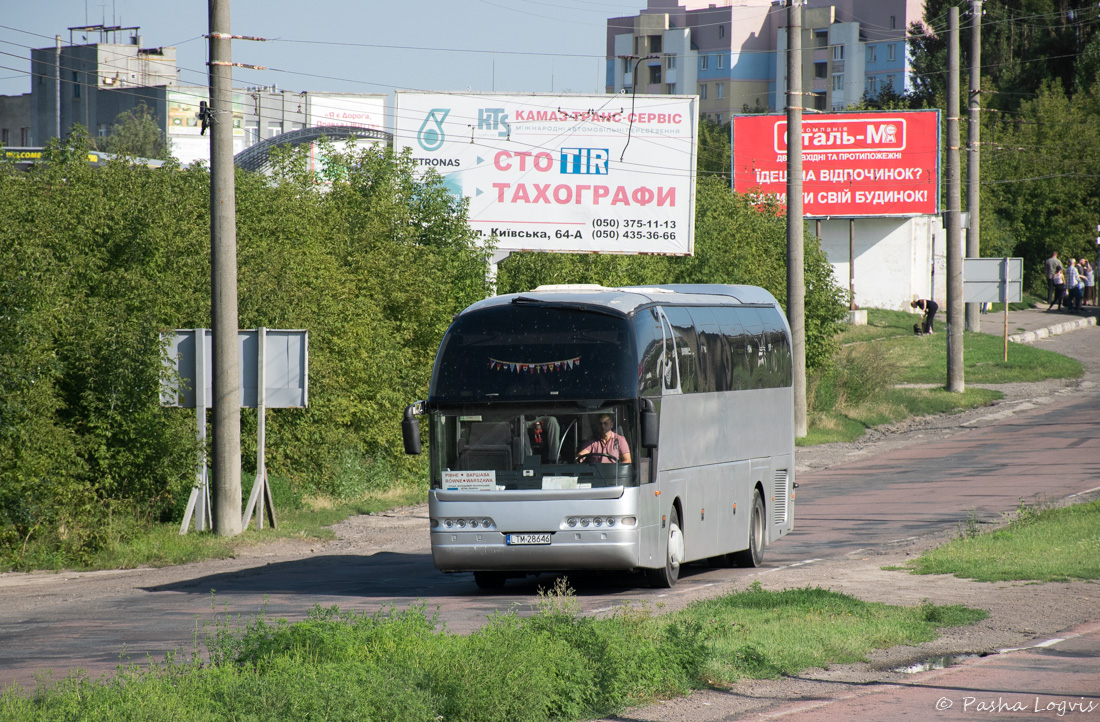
503,447
535,353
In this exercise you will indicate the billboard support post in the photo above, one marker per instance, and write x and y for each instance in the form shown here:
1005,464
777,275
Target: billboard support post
973,159
851,264
1005,276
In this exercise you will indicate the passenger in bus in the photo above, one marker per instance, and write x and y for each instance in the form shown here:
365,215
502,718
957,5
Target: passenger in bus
608,447
544,438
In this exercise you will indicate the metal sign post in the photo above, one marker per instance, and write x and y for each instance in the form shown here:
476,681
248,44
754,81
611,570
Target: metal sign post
274,372
200,493
994,280
261,489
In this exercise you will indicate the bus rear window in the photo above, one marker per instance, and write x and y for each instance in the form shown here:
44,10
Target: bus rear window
521,352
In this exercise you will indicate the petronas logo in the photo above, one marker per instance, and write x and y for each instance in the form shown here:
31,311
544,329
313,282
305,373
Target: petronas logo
431,135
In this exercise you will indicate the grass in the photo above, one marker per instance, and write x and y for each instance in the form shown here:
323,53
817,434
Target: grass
923,359
400,665
876,377
1046,545
132,544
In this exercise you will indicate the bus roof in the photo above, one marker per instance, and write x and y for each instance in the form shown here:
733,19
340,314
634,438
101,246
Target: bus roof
629,298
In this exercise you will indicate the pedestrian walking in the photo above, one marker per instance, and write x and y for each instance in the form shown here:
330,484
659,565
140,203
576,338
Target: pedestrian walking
1058,283
1050,267
1088,274
1074,287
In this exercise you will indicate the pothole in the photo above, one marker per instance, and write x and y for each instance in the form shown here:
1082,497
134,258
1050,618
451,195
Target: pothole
941,662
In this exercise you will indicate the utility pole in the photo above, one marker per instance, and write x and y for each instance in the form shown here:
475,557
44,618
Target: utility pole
973,162
954,203
223,280
57,86
796,286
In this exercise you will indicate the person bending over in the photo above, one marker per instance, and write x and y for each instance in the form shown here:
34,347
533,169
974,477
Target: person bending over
929,307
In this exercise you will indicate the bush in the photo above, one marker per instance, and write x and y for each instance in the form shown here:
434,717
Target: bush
84,301
857,374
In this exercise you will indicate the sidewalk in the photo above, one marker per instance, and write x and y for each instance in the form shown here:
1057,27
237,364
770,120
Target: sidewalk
1061,674
1030,325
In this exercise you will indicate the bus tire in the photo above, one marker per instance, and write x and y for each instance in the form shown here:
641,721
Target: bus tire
665,577
489,580
754,555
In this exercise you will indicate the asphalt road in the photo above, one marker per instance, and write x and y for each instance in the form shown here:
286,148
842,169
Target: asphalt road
56,622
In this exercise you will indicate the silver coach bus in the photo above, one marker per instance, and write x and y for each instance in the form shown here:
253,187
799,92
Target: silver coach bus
591,428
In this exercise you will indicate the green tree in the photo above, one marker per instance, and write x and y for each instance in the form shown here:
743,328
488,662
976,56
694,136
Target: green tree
715,148
1044,162
137,134
1025,44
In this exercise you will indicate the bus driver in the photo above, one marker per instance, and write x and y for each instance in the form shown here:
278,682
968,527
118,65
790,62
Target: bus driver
608,447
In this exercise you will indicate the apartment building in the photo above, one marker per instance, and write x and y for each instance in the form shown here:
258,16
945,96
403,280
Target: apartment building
732,53
99,72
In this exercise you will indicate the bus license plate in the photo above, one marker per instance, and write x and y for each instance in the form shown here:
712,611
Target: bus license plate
520,539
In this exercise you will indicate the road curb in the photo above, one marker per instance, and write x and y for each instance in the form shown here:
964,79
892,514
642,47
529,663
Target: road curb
1055,330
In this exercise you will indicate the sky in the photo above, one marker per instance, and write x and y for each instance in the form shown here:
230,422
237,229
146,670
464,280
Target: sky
348,46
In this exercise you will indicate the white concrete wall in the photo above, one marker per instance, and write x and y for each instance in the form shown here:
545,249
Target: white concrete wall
896,259
678,42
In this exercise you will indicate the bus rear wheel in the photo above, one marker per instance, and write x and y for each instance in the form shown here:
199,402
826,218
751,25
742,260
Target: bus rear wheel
754,555
665,577
489,580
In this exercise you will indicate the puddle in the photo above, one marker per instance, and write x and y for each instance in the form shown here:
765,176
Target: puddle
949,660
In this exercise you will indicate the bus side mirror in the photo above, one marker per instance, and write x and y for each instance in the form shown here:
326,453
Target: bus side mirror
410,430
649,425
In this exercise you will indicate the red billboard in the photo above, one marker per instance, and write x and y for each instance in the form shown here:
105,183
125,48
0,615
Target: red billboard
857,164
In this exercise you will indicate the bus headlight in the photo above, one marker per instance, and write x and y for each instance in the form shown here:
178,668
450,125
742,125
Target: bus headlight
587,522
482,523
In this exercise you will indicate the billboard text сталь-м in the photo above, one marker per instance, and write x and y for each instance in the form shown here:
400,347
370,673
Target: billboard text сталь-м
853,164
571,173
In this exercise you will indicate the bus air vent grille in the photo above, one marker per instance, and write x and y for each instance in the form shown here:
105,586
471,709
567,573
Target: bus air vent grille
779,496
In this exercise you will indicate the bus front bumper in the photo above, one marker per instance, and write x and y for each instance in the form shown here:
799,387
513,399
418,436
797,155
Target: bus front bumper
467,551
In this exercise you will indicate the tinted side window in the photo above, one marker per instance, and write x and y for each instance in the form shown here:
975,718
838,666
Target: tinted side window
647,329
779,349
752,319
686,348
713,359
740,347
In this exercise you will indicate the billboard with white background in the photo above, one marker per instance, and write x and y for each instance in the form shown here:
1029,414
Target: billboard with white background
362,111
567,173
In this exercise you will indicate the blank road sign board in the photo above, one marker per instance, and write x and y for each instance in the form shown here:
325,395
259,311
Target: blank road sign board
286,368
990,280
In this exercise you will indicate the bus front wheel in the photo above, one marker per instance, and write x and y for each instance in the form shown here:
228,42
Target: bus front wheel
754,555
666,576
